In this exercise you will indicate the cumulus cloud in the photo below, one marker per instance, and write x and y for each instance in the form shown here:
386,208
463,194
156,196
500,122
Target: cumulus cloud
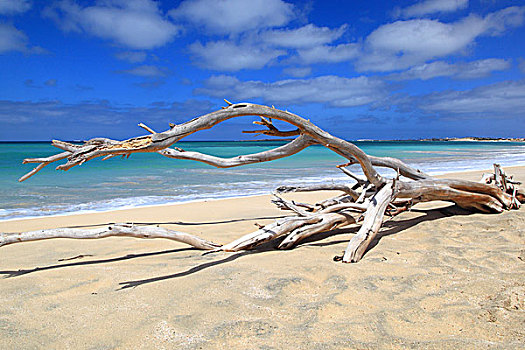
428,7
13,7
150,84
303,37
19,112
146,71
234,16
228,56
498,22
521,65
395,46
462,70
328,53
138,24
501,100
12,39
86,119
330,90
257,49
403,44
297,72
131,56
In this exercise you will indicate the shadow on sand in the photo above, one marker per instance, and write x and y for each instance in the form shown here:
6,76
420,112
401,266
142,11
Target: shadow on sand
389,228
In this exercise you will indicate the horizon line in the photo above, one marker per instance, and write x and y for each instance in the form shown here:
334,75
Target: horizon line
449,138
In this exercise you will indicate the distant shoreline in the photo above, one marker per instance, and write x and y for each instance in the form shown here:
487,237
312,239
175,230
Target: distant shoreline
498,139
447,139
461,139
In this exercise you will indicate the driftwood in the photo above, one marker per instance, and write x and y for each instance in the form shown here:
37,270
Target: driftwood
365,201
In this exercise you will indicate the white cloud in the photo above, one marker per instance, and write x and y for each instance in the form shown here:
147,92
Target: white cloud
146,71
502,100
330,90
328,54
234,16
403,44
462,70
297,72
498,22
303,37
521,65
12,39
256,49
12,7
227,56
431,6
86,119
481,68
154,84
138,24
132,56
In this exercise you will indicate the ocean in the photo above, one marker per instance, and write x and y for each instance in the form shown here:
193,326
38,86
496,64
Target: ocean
150,179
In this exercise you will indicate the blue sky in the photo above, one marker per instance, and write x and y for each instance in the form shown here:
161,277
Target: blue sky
359,69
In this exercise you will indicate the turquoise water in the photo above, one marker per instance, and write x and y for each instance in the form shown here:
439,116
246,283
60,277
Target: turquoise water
150,179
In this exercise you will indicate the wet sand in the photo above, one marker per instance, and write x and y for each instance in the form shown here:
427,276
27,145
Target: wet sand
435,280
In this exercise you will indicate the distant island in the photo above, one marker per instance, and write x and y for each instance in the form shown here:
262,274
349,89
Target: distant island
466,139
470,138
505,139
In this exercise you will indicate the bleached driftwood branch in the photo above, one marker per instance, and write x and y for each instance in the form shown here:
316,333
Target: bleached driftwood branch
364,202
127,230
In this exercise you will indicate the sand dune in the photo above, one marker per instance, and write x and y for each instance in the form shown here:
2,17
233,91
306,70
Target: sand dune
435,279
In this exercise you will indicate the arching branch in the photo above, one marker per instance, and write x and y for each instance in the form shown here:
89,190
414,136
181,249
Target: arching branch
286,150
155,142
364,202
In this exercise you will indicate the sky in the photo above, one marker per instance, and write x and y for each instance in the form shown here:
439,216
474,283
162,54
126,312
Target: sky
372,69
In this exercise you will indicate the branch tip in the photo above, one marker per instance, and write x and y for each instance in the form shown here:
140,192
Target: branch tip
147,128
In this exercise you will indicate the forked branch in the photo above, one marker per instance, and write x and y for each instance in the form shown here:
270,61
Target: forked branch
364,201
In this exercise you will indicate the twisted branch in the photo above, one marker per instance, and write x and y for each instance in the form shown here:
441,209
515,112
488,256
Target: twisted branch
364,202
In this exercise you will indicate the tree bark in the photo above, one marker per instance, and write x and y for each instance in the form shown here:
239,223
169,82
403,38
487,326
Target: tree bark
363,202
125,230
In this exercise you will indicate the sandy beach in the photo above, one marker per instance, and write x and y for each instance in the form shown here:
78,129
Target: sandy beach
434,280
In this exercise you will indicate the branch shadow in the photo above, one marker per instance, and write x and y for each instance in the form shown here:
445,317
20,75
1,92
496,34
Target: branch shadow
268,246
195,269
397,226
391,227
16,273
20,272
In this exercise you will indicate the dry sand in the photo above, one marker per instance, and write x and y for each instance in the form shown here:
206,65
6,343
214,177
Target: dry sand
434,280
